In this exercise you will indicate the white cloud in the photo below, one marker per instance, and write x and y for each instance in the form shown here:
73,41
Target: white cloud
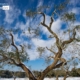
42,43
40,3
24,28
76,23
56,26
76,10
12,13
24,14
17,39
74,6
21,25
72,50
33,54
74,2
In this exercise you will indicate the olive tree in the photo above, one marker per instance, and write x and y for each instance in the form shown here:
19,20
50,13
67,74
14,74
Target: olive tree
18,54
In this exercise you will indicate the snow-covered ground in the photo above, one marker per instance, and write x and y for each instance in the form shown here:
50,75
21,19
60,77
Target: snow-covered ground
70,78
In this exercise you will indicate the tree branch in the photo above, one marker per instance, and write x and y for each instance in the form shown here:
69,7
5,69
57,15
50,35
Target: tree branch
17,51
28,72
50,50
51,22
22,48
49,29
44,25
59,65
4,56
14,62
7,58
71,39
50,67
43,16
3,60
67,42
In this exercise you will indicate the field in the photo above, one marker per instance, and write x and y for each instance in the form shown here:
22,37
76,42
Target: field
70,78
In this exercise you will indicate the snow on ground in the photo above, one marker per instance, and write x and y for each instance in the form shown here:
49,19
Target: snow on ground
70,78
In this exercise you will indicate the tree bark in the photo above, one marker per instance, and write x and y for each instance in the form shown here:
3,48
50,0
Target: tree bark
56,77
52,66
65,76
28,72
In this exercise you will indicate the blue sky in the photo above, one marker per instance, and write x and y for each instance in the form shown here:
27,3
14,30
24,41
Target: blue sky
16,18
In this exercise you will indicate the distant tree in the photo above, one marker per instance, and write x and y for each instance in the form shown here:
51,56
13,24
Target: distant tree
74,73
17,56
6,74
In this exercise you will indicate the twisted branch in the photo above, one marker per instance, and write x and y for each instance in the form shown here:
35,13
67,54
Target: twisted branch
49,29
71,39
43,16
51,22
17,51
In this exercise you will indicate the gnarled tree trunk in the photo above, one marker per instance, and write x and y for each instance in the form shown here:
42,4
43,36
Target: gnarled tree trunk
28,72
